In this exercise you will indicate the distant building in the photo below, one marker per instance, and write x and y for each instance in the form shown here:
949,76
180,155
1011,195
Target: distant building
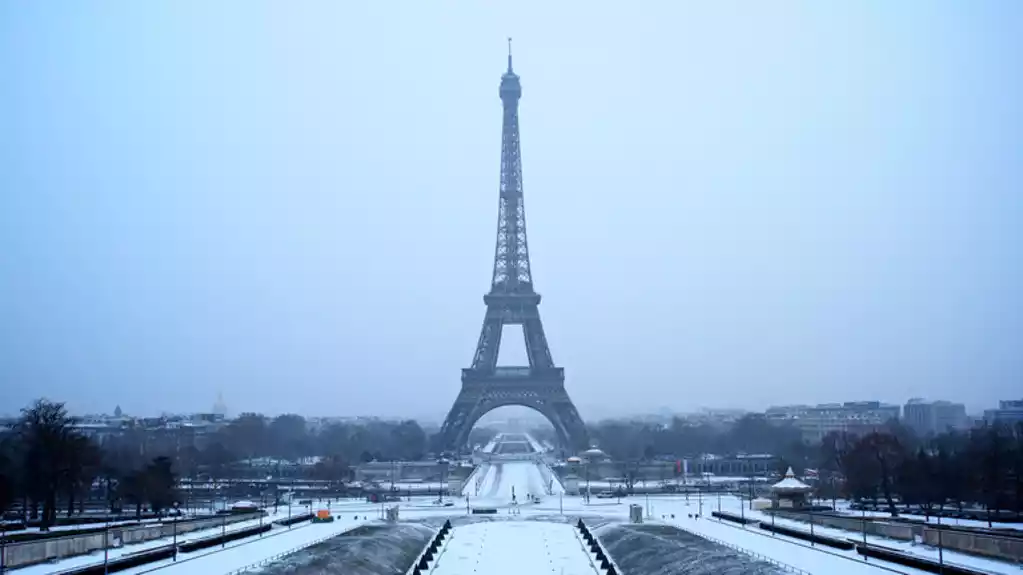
735,466
934,417
1010,411
815,422
219,407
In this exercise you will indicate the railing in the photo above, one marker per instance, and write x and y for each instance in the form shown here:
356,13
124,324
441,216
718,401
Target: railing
754,554
516,371
221,550
589,555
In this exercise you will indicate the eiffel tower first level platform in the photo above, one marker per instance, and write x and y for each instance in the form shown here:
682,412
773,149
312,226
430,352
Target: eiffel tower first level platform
512,301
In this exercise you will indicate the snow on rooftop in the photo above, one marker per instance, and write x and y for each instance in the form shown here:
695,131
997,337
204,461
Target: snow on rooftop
790,483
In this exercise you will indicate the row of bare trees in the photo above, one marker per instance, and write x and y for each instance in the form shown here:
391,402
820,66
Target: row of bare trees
982,467
46,467
977,468
636,441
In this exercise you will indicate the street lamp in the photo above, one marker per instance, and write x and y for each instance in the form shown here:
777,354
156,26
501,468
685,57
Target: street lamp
742,510
106,543
291,495
812,544
174,521
864,510
587,480
941,549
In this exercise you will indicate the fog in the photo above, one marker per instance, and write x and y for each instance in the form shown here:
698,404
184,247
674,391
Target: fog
728,205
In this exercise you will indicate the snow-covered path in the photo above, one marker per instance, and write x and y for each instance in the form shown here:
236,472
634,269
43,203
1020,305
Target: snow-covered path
504,479
506,547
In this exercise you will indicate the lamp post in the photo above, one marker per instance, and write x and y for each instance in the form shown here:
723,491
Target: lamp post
685,482
941,549
443,478
175,523
291,495
742,510
587,481
812,544
3,546
864,510
106,543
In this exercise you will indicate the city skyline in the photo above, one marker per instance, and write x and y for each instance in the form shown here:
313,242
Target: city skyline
726,209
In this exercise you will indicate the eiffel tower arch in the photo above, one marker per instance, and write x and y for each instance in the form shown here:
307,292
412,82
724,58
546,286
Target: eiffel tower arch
512,301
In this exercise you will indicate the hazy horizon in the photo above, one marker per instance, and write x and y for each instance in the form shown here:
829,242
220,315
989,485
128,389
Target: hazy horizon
729,205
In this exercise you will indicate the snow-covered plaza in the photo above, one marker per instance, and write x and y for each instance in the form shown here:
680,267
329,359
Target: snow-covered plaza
528,526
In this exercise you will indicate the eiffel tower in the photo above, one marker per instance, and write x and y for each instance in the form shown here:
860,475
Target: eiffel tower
512,301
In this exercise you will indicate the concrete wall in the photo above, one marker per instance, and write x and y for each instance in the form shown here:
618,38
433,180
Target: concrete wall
899,531
1004,548
992,546
31,552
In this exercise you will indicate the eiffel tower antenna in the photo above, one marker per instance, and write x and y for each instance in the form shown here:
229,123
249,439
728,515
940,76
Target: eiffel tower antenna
509,56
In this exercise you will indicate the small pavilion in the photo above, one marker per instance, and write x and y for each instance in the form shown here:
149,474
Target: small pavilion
789,493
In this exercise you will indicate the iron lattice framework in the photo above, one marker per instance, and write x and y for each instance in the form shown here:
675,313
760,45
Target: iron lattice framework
512,301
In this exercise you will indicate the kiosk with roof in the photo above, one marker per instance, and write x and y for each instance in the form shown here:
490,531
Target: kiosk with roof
789,493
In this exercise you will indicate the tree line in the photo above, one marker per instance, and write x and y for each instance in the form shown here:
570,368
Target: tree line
637,441
48,466
979,468
889,467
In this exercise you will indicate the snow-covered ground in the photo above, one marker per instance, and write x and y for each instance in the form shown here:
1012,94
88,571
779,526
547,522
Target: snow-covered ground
525,537
489,448
734,506
507,547
250,551
504,481
534,443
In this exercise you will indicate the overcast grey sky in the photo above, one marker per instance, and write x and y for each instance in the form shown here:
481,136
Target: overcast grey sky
729,204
